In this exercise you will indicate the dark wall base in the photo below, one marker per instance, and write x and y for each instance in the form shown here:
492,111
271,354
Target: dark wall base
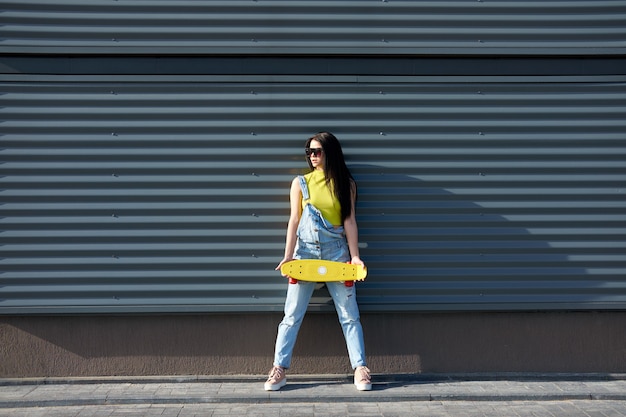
577,342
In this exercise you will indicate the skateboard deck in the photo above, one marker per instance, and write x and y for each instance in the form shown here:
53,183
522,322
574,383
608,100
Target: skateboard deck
317,270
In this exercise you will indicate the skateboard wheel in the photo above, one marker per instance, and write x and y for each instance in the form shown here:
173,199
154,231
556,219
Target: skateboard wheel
293,280
349,284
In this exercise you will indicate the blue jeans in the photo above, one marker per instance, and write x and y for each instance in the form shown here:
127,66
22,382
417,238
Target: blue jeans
317,239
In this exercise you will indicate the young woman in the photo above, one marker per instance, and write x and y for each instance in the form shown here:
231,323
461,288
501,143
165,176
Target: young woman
322,225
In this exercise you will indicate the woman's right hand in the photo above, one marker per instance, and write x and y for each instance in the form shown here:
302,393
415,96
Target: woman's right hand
281,263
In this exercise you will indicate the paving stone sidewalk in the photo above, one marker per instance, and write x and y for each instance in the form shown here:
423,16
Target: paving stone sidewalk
316,396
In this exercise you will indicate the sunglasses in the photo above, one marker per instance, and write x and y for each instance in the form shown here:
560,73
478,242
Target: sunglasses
313,151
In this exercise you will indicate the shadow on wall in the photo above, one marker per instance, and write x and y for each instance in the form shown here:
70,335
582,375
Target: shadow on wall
428,249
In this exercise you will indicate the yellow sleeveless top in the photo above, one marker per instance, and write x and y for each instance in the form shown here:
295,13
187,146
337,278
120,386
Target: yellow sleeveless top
322,197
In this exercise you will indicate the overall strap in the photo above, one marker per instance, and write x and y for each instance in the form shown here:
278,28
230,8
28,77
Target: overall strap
305,189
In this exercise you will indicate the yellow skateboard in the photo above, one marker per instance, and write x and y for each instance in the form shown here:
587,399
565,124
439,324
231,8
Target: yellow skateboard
317,270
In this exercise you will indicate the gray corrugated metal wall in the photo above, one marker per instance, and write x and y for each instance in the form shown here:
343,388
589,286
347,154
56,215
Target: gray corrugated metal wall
168,192
324,27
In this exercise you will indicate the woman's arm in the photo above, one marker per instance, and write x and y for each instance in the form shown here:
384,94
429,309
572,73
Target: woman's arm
352,231
295,203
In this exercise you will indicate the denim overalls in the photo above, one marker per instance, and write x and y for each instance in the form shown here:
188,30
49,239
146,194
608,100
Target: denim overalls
319,239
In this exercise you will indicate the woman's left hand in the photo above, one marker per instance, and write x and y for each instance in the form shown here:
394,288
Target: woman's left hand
357,261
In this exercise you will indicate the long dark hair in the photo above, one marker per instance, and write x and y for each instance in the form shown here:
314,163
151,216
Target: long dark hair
336,172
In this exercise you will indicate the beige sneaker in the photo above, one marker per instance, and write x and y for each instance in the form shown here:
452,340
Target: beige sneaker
276,379
362,379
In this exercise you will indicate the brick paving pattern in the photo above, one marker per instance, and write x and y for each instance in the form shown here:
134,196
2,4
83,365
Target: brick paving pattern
316,397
